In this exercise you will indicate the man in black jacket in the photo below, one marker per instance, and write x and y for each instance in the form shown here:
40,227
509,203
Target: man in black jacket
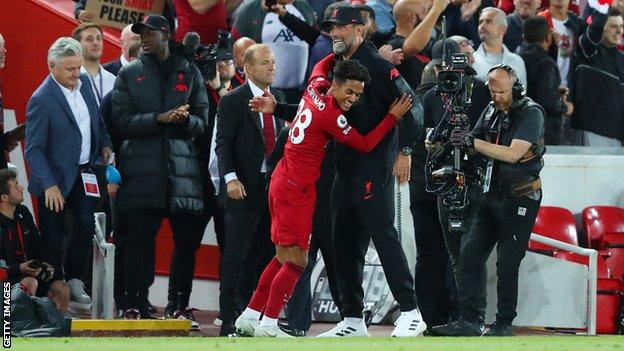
159,106
599,64
543,76
364,189
245,139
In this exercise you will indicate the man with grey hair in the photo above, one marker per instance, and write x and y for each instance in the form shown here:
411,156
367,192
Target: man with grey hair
65,137
492,51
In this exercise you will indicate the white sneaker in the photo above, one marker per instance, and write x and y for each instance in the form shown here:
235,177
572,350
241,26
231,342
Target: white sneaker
409,325
273,331
245,326
344,329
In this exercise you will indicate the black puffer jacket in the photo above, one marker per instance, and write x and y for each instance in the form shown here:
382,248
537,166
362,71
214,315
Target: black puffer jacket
158,162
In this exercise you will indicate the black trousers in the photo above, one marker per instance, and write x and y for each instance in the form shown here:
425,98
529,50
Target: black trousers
69,262
505,222
140,236
300,303
248,249
182,267
358,217
454,242
433,276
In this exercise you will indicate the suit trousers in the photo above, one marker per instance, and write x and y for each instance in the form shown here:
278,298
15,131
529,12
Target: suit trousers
248,249
69,261
355,222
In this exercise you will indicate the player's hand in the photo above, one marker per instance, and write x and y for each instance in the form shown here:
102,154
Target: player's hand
395,56
263,104
401,105
402,166
54,199
236,190
27,270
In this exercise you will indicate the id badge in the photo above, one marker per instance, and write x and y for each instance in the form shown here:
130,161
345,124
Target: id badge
488,176
90,184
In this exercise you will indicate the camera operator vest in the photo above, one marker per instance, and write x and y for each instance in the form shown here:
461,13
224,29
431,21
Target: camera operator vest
500,129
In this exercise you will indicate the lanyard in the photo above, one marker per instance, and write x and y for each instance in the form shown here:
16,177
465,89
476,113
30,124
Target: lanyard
98,93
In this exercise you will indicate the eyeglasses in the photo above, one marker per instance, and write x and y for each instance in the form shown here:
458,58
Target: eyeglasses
227,62
466,43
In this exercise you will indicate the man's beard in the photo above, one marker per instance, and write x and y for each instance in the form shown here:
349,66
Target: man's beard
341,48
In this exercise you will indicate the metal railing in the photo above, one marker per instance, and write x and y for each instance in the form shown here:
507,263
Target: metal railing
103,279
592,278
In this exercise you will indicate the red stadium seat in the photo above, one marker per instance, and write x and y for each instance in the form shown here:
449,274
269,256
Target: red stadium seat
555,223
599,220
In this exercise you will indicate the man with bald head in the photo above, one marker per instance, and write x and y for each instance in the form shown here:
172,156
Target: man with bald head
130,46
510,133
238,53
415,20
492,51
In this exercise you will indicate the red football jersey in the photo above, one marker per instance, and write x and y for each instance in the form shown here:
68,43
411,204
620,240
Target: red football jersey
318,119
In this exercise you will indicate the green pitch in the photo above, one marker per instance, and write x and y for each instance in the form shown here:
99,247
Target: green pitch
521,343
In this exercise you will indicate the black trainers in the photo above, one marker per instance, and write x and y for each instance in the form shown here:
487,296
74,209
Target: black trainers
131,313
291,331
187,314
458,327
500,329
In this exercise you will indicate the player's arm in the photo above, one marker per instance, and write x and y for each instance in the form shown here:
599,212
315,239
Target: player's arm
268,104
319,78
345,134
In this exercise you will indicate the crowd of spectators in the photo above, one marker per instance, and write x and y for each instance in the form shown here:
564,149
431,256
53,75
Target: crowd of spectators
188,147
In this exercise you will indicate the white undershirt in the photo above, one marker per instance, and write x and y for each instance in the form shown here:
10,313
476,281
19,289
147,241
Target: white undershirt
80,111
564,52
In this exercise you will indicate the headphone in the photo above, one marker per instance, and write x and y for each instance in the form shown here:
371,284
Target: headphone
517,90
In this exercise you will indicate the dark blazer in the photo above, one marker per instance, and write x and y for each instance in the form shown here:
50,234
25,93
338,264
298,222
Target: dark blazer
113,66
240,142
53,139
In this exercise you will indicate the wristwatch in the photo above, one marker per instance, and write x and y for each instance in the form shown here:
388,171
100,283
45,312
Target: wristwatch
406,151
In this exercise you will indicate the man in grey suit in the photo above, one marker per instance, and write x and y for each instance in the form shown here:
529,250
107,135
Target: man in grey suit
65,136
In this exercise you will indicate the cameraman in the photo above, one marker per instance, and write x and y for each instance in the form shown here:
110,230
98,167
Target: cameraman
21,246
434,243
510,133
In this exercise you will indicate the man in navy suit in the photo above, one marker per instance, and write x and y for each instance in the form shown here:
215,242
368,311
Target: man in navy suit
64,138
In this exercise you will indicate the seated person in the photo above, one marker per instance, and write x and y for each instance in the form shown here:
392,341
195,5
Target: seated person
21,246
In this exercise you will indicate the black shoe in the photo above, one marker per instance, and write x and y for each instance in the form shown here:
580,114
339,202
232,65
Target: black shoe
149,306
146,313
500,329
187,314
368,317
227,329
291,331
458,327
170,309
131,313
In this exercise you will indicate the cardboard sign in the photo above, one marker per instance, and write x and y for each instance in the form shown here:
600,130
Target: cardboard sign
120,13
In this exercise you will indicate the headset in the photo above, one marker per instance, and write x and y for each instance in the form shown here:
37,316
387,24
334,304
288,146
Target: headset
518,90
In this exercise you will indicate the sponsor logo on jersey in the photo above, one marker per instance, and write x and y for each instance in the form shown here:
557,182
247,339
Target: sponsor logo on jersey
316,99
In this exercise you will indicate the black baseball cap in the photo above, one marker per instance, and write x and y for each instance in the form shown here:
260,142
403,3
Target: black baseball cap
343,15
436,52
152,22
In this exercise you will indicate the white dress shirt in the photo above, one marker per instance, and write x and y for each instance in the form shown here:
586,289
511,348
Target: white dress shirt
101,84
80,111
